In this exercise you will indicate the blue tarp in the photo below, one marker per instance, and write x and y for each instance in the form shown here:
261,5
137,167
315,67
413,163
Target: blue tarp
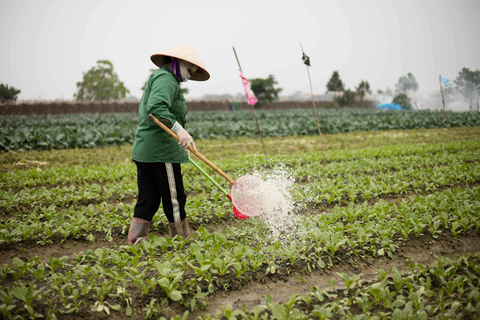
390,106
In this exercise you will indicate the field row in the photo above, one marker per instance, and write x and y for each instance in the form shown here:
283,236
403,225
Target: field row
79,210
167,270
444,289
374,196
96,130
340,162
249,150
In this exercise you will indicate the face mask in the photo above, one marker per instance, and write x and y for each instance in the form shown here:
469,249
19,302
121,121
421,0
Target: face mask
186,69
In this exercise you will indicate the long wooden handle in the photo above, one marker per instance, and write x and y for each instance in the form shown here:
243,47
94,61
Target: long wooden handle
208,176
198,154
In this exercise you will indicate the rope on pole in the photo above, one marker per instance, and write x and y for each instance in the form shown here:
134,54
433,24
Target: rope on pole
314,108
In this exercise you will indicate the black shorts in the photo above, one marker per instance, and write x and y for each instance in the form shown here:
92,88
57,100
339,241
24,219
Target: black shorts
160,182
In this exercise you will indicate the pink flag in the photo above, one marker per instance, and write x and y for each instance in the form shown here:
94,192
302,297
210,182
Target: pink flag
248,91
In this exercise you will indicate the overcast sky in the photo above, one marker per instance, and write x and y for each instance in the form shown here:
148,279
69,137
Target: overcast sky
47,45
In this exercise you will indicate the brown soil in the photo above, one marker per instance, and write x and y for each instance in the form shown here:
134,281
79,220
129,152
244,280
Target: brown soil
423,249
250,294
70,247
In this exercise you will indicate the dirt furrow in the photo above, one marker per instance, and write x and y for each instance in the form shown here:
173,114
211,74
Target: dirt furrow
424,250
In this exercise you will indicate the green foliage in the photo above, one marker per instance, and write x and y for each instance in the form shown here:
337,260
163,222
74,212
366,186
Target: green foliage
8,93
346,98
363,89
436,185
403,100
387,92
265,90
406,83
98,130
415,294
66,131
100,83
335,83
468,84
330,105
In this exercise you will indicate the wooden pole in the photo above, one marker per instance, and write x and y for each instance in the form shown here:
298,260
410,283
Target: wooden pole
443,99
236,57
314,108
254,113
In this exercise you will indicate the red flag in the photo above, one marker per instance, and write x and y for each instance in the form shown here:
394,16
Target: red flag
251,99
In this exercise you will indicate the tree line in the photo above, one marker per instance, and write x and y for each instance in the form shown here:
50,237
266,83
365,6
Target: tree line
101,83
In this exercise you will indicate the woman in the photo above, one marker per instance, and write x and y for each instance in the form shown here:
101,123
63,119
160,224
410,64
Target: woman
157,155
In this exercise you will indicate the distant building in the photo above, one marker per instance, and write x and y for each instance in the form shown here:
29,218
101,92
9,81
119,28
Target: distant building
301,96
215,97
297,96
324,97
132,99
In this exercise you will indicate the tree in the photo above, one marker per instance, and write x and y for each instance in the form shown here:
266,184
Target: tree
468,83
406,83
346,98
403,100
362,90
335,83
184,90
8,93
387,92
477,85
265,90
100,83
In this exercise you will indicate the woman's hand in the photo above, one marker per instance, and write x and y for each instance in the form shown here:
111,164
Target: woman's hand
185,139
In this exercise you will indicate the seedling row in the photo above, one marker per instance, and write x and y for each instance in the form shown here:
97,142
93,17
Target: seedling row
96,130
344,213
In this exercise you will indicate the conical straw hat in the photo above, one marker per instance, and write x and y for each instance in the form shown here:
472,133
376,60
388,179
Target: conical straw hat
186,53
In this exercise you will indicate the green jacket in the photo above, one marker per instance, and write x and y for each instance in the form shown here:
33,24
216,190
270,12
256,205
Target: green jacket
164,99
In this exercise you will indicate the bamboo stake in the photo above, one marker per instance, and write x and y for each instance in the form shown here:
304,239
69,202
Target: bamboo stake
443,100
314,108
254,113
